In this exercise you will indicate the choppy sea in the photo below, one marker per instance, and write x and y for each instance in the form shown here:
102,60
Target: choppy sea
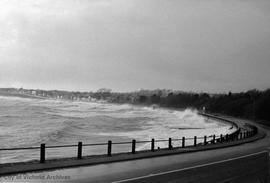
26,122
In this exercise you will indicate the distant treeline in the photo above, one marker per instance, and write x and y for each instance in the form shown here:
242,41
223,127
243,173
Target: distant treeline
252,104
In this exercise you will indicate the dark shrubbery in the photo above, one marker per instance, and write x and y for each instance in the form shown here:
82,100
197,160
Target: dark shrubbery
252,104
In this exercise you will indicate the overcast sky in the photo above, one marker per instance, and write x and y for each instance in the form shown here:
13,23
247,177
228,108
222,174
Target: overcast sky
125,45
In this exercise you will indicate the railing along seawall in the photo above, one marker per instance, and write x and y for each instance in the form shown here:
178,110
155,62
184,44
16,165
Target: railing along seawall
195,141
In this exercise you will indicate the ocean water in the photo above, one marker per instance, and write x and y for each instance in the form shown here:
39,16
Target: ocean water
26,122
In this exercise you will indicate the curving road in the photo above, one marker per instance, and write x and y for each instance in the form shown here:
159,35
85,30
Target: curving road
136,169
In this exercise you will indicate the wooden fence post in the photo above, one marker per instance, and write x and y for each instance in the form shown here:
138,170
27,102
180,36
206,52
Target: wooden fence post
205,140
109,153
170,143
153,145
221,138
183,142
133,146
79,155
42,153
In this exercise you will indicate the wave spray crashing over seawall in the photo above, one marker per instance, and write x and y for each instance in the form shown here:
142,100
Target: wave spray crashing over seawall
30,122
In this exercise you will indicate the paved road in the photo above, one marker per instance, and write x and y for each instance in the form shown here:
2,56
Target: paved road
114,172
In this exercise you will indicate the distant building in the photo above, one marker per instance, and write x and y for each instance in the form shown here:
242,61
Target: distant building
33,92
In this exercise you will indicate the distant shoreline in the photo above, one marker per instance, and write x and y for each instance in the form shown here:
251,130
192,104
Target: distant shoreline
22,95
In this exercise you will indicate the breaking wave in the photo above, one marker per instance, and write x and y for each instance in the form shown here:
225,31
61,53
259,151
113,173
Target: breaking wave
29,122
